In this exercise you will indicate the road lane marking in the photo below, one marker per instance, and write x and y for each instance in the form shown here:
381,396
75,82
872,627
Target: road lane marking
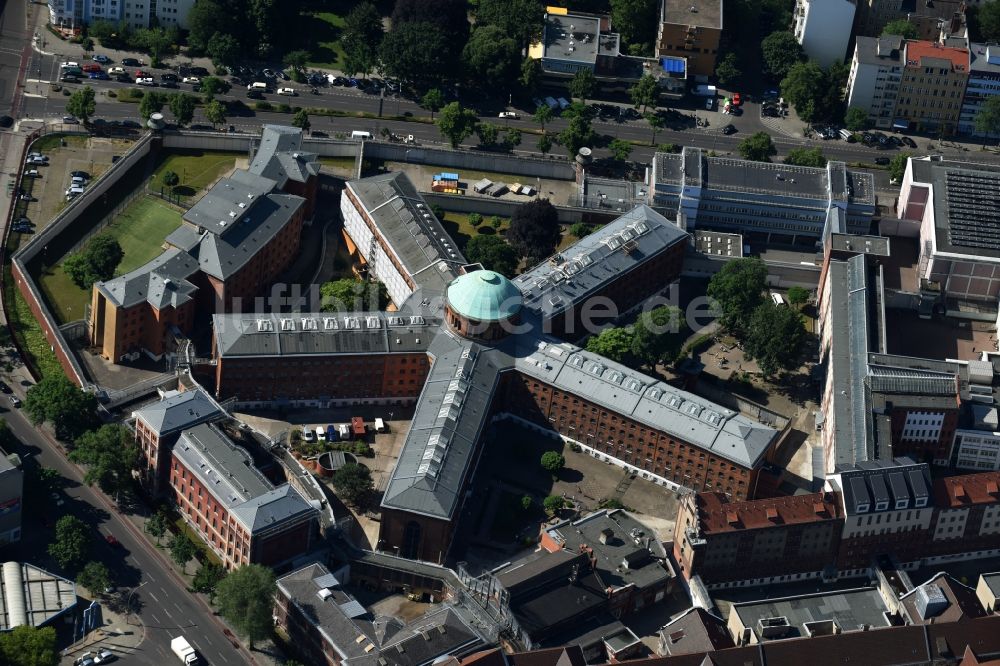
153,596
168,614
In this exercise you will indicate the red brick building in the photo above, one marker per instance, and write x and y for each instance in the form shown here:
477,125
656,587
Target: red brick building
238,513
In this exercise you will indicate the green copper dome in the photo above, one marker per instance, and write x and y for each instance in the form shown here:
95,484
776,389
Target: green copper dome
484,296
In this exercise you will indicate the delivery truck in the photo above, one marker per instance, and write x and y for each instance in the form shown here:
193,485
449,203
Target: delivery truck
183,649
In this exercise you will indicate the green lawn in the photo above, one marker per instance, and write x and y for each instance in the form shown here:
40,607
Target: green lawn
324,30
140,230
196,169
52,141
339,163
29,333
458,227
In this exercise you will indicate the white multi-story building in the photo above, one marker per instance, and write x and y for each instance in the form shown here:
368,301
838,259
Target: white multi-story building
136,13
978,447
823,28
874,79
984,82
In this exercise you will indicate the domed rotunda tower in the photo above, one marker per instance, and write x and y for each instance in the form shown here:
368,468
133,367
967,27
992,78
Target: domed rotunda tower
482,305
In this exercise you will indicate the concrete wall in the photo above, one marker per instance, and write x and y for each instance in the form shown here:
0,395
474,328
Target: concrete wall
555,168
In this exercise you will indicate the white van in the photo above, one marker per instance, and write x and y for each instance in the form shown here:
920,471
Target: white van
776,297
257,85
320,434
380,426
361,134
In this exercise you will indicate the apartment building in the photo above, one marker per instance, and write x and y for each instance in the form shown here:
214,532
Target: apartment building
931,87
759,541
11,494
873,83
771,203
931,19
135,13
967,523
239,514
984,82
691,29
158,426
823,28
574,41
977,446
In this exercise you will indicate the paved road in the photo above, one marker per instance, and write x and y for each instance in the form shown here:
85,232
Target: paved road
166,609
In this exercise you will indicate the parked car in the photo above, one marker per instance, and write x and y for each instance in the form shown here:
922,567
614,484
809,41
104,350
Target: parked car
168,84
37,158
169,76
5,388
729,129
100,76
882,161
32,173
112,540
289,92
104,657
23,221
255,94
6,121
737,100
508,114
83,658
16,402
131,62
145,81
198,71
91,67
103,59
80,174
191,79
116,70
69,78
283,76
909,142
268,73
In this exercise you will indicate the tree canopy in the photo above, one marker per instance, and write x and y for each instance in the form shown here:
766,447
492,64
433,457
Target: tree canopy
353,482
82,104
988,19
775,337
493,252
987,120
246,600
900,28
620,149
97,261
534,230
152,102
636,21
432,100
552,462
63,404
798,295
645,93
182,549
614,344
72,542
182,106
301,120
658,335
492,59
757,147
803,87
578,134
348,295
206,580
215,113
110,455
810,157
897,166
856,119
583,85
781,51
457,123
739,289
95,577
519,19
29,646
361,39
727,71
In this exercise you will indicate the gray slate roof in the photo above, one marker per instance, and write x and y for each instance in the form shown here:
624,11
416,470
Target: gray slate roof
162,282
894,481
223,206
569,277
849,609
881,51
322,333
227,471
280,158
178,411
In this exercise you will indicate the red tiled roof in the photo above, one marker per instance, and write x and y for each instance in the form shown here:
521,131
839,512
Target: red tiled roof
917,50
967,489
718,514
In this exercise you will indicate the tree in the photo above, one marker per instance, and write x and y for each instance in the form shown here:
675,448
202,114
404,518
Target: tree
583,85
581,229
348,295
553,503
246,600
493,252
798,296
988,18
900,28
636,20
803,87
182,106
361,39
157,525
97,261
110,455
353,483
577,134
658,335
451,16
72,542
645,93
223,49
182,549
620,149
775,337
655,121
856,119
301,120
29,646
432,100
897,166
987,120
487,133
527,502
544,143
212,86
207,578
552,462
95,577
519,19
614,344
511,138
531,74
757,147
152,102
780,51
738,289
417,53
82,104
62,403
170,179
205,19
728,70
810,157
215,113
298,59
534,229
457,123
543,114
492,59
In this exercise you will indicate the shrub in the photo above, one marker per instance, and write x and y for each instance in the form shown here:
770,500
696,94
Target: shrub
475,219
553,503
284,108
263,106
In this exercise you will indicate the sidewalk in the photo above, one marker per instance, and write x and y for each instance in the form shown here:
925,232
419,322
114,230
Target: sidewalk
116,634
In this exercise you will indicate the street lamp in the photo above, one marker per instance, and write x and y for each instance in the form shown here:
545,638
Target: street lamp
128,602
